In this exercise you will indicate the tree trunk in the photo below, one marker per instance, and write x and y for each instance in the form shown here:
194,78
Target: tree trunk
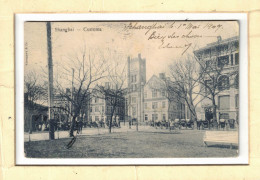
110,124
193,112
214,109
168,116
72,126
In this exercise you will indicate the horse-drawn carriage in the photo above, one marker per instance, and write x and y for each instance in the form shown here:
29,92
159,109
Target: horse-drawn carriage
189,123
176,124
202,124
227,123
184,123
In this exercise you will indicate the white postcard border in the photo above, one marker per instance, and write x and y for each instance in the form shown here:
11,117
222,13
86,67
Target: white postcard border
19,85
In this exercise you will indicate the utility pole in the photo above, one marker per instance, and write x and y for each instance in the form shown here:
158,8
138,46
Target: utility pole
72,89
50,85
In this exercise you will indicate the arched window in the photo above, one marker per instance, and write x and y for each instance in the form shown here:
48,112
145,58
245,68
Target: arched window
223,83
236,82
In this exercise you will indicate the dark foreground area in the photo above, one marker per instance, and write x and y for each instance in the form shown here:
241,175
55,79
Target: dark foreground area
186,143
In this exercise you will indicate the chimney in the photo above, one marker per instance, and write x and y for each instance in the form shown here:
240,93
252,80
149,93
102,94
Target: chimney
162,76
219,38
67,91
107,85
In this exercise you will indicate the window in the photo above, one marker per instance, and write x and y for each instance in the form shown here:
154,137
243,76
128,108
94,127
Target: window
96,118
103,109
145,105
231,59
90,109
237,100
134,111
164,117
163,104
108,109
223,102
223,61
154,93
96,100
155,105
133,99
208,85
133,78
134,87
223,83
236,59
236,82
96,109
163,93
145,94
146,117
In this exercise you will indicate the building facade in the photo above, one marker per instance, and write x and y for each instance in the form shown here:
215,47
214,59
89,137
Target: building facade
136,81
223,55
160,104
100,108
149,101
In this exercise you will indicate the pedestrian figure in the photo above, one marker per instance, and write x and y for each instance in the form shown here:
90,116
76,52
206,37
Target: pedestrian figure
129,124
77,126
171,125
80,126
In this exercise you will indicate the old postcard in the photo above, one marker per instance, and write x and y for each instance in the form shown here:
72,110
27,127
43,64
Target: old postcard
132,89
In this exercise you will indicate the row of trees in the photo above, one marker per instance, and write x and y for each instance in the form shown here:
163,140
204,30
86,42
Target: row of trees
86,75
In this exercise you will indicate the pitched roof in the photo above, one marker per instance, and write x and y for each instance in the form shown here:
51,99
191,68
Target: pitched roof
155,82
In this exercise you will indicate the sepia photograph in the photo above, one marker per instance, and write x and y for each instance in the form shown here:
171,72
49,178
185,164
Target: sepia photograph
131,89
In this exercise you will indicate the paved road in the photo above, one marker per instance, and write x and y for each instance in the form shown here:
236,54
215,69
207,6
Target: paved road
41,136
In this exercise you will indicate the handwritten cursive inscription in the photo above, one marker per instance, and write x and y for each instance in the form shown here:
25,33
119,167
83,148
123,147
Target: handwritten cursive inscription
167,33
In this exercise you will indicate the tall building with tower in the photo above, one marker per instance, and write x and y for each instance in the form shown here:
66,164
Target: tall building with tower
136,81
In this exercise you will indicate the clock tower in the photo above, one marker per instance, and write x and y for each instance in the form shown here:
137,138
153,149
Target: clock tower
136,82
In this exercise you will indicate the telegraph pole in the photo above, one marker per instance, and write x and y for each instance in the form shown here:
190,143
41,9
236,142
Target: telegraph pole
72,89
50,79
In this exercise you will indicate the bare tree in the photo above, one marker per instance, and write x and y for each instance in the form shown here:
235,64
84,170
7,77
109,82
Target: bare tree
185,75
35,90
214,76
81,73
169,91
114,90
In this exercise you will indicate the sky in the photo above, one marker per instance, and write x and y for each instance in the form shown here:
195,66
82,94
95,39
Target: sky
160,43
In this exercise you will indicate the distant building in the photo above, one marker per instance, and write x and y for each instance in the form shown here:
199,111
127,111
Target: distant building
136,81
100,107
147,101
223,52
34,115
160,104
